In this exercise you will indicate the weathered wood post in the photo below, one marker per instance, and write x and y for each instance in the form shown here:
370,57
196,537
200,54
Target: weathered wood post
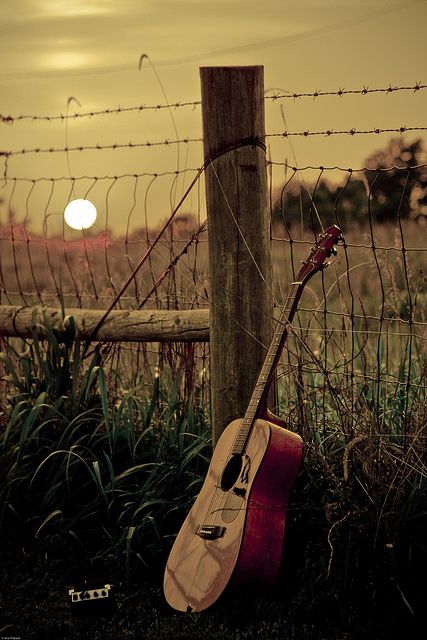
239,235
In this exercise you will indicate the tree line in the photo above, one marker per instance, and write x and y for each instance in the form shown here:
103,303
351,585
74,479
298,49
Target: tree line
392,185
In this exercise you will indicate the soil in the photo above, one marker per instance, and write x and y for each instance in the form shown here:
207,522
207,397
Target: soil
35,605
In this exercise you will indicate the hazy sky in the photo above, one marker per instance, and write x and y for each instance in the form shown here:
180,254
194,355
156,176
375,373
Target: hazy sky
49,47
51,50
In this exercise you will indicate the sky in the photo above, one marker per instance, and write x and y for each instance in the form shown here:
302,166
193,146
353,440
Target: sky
59,56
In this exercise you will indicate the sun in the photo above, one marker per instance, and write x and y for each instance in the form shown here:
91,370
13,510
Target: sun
80,214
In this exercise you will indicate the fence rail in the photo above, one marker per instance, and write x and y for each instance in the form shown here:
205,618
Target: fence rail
120,326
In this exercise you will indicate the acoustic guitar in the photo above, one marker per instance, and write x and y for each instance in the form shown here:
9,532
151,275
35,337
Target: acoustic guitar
234,532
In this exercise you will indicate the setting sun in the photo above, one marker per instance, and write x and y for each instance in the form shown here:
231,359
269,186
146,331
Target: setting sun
80,214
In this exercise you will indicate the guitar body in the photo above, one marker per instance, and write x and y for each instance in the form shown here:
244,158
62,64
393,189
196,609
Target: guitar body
234,532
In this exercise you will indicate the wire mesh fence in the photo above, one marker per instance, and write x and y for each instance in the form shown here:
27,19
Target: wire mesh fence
361,327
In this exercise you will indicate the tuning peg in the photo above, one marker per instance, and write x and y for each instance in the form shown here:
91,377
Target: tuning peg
334,251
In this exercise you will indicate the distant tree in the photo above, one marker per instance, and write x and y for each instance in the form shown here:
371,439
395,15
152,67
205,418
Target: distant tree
297,205
351,203
331,203
393,183
397,180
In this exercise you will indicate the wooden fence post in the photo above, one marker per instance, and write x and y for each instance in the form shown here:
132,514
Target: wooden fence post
239,235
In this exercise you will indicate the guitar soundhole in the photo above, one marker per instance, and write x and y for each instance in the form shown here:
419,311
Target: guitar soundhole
231,472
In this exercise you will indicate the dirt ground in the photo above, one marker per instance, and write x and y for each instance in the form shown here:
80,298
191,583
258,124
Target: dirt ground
35,605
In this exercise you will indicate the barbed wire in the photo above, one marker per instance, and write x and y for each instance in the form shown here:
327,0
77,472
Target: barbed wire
378,302
343,92
10,119
351,132
100,147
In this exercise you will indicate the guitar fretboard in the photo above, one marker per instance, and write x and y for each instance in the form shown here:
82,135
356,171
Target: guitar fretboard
258,403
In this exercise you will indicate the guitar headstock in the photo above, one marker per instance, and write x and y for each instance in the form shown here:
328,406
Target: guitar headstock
323,249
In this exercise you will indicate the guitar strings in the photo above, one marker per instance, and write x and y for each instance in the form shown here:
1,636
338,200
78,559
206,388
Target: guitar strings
219,498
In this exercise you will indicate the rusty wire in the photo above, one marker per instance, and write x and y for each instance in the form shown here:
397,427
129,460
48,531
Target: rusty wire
341,92
42,267
418,86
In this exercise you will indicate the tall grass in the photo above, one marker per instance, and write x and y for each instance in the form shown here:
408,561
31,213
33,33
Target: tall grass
359,513
107,475
89,469
105,461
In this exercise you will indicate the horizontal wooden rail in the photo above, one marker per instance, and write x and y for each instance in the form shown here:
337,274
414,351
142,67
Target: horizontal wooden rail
119,326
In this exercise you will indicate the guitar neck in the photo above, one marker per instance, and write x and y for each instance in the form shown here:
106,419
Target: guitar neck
258,403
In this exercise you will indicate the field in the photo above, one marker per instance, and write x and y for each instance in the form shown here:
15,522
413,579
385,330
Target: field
103,450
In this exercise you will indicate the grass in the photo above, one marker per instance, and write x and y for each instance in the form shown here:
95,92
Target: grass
105,480
88,472
101,459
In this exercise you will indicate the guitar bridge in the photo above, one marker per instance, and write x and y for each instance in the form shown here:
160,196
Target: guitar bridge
210,531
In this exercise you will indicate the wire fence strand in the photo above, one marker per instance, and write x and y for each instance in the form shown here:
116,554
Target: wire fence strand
362,324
